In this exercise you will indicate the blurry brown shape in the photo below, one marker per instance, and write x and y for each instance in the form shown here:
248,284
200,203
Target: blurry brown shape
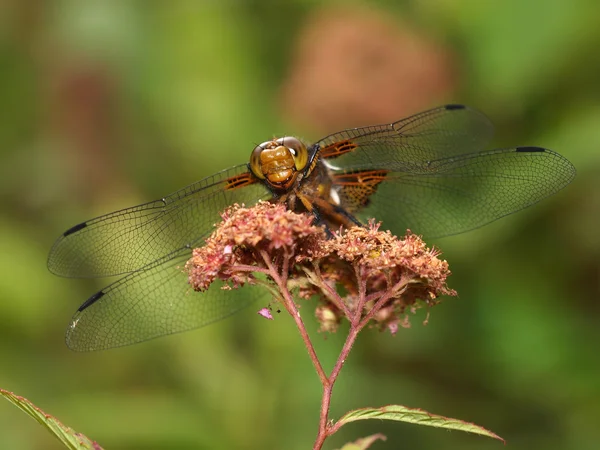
84,113
356,67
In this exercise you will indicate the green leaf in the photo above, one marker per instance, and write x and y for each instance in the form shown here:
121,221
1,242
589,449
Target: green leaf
417,416
66,435
363,443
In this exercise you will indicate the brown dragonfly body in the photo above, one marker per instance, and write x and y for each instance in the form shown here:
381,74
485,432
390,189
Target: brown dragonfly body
429,172
307,184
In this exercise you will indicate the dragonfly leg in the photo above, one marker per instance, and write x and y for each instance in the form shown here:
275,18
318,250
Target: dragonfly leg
348,216
319,221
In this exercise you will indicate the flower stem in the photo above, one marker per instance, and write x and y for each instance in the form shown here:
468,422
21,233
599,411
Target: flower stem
325,429
293,310
289,304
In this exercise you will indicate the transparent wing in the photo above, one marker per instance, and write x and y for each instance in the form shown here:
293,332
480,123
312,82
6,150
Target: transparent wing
404,145
152,302
451,195
127,240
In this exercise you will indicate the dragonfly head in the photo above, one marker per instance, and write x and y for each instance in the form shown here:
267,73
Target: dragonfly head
278,162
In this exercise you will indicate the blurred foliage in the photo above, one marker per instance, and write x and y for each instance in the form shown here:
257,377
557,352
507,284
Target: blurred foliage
107,104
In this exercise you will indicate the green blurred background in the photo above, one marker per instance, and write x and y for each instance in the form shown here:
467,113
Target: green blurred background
107,104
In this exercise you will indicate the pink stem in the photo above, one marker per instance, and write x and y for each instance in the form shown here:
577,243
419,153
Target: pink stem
324,429
292,309
333,295
249,268
399,286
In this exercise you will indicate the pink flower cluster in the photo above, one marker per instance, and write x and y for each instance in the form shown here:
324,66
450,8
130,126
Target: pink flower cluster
363,274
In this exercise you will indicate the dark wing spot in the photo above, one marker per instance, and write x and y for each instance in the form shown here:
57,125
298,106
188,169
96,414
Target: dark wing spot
452,107
530,149
75,229
90,301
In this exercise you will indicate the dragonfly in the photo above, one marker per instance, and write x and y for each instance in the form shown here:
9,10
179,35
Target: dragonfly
429,173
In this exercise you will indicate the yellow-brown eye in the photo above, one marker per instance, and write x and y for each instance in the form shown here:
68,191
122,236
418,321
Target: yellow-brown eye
298,150
255,165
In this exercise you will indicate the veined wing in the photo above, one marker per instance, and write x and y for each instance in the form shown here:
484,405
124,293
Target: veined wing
154,301
127,240
407,144
451,195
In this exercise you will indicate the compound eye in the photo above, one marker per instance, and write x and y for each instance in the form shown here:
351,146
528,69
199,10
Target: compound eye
255,165
298,150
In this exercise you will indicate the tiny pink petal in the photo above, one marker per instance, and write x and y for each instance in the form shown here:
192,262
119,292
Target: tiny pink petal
266,313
